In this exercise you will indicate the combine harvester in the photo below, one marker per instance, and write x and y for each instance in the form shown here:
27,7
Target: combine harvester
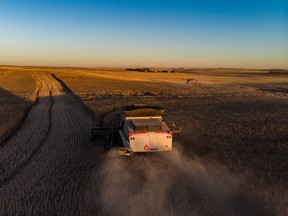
137,128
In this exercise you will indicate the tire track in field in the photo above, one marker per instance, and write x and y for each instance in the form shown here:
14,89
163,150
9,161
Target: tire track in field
33,97
53,179
21,147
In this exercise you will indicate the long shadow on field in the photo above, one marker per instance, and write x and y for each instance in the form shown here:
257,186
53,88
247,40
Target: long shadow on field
45,165
13,109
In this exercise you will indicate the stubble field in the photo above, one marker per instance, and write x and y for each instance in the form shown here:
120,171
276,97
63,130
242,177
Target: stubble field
230,159
15,100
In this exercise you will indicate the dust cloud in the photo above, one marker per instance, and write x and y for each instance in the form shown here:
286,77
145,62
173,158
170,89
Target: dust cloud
172,184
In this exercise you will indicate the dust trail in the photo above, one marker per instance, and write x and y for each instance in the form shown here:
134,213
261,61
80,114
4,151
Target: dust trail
172,184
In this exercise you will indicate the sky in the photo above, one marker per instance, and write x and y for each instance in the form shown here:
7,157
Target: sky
145,33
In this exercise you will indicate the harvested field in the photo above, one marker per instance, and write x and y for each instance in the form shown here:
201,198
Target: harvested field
17,94
231,158
240,125
43,166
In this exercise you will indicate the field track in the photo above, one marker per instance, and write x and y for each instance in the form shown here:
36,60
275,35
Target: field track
42,167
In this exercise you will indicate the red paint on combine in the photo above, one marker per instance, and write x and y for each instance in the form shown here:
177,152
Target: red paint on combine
146,147
135,133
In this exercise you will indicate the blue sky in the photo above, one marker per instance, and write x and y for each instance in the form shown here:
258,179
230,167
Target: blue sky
195,33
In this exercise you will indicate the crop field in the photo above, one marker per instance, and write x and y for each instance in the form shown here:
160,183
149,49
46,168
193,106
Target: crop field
17,94
230,159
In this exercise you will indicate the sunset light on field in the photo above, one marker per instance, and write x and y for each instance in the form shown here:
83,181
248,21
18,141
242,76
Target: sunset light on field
144,107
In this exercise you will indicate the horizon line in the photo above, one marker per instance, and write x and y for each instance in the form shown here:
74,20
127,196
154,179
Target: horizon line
114,67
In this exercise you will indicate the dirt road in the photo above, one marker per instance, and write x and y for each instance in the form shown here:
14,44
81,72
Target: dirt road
50,167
